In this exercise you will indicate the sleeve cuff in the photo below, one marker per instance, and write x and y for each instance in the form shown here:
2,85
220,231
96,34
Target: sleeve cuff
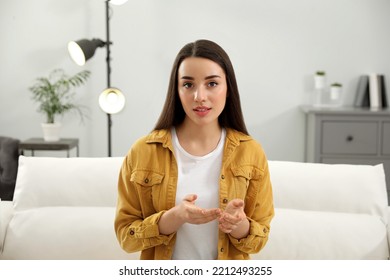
251,242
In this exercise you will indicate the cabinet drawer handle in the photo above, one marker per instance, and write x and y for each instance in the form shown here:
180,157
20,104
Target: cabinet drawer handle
349,138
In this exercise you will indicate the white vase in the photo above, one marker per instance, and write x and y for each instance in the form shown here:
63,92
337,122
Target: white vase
51,131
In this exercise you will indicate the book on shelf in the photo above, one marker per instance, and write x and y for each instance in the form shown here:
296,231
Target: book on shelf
374,92
383,91
371,92
361,97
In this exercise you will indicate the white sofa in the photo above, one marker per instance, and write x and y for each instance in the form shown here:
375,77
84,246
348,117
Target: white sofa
64,208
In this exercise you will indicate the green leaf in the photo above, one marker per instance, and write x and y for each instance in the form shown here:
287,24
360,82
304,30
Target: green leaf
55,93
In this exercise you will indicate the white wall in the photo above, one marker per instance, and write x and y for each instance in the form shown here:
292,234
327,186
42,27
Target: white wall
275,45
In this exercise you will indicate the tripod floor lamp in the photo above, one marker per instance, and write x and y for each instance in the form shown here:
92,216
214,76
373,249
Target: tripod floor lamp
111,100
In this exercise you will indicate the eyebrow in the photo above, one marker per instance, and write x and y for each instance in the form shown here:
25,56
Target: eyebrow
206,78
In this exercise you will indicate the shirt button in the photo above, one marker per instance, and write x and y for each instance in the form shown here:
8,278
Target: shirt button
222,176
146,180
225,200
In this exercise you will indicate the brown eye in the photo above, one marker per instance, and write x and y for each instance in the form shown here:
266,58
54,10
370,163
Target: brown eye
213,84
187,85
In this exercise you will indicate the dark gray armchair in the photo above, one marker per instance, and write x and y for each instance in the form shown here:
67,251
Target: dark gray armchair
9,157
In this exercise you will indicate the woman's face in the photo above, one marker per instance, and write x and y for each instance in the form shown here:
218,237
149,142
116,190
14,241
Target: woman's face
202,90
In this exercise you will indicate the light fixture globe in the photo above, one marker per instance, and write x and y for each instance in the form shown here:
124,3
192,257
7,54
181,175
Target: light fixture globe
82,50
118,2
112,100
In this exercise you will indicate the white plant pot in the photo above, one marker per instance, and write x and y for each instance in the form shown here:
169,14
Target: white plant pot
335,93
51,131
319,81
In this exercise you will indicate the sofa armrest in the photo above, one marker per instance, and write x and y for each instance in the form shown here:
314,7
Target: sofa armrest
6,212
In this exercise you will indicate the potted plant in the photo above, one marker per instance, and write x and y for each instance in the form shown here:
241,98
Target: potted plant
55,96
320,79
319,88
335,91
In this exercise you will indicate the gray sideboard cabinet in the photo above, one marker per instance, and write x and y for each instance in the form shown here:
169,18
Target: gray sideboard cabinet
348,135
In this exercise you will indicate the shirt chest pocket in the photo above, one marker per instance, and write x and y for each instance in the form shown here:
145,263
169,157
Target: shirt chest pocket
244,180
149,187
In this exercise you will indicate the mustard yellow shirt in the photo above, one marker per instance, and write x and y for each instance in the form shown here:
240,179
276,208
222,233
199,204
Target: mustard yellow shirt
147,188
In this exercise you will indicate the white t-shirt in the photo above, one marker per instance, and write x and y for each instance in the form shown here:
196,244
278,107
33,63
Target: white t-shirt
198,175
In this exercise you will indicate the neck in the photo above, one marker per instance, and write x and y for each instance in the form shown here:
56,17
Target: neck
198,140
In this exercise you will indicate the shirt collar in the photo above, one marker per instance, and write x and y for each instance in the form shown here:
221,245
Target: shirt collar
163,136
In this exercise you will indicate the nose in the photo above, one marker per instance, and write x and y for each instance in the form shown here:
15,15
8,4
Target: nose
199,95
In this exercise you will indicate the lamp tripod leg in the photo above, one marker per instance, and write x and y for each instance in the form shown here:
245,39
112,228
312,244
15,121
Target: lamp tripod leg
109,124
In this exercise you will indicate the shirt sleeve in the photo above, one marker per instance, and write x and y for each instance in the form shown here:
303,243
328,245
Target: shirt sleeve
134,232
259,214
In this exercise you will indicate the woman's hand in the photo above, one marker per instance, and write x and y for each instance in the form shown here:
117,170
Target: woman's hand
186,212
233,220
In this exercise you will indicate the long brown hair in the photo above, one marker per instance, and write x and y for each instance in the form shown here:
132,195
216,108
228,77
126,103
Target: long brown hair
173,113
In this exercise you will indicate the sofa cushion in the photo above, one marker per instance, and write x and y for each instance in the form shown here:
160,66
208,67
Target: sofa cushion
49,181
315,235
64,233
330,187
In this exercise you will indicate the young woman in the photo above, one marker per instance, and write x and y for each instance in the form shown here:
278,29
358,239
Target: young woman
198,186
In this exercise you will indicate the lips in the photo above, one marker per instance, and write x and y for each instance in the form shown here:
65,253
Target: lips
201,109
